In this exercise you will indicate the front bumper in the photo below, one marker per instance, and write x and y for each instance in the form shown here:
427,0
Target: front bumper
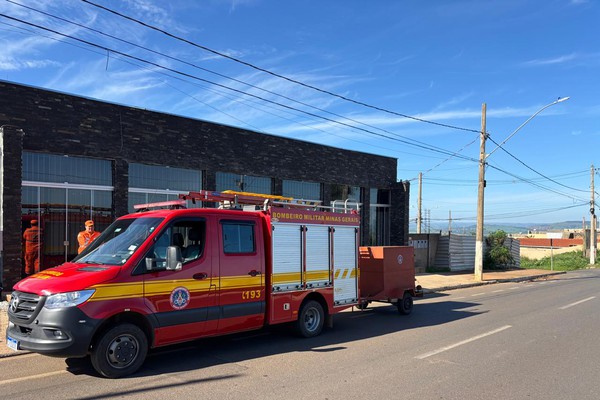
63,332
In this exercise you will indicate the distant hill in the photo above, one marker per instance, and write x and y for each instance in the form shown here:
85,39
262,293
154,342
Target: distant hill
510,228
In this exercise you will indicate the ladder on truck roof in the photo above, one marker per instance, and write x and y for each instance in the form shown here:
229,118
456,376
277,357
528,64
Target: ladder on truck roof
233,200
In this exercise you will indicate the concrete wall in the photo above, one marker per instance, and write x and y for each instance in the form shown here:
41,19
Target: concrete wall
425,245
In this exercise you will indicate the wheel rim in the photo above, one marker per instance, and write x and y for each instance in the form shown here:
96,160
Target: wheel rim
122,351
408,303
312,319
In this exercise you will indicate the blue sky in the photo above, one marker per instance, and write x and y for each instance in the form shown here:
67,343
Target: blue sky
438,61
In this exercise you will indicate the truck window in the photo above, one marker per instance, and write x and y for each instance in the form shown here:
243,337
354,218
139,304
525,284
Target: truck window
188,235
238,237
119,241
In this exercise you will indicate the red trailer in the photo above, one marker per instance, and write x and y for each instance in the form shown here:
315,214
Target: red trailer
387,274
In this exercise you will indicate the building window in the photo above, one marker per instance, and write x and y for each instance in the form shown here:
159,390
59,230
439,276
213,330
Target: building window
345,197
345,192
302,190
243,183
379,217
152,184
60,193
39,167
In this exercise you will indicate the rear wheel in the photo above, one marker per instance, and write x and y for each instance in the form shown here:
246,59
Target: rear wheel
120,351
405,305
311,319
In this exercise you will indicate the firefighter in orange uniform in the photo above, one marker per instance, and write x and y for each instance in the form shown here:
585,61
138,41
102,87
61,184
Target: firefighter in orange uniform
86,237
33,243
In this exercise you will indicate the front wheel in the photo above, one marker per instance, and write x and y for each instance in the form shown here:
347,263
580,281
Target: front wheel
120,351
405,305
311,319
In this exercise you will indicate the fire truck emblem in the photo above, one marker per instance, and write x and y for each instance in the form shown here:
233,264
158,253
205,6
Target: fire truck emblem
180,298
400,259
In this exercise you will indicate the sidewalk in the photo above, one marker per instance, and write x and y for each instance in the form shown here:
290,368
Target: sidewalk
454,280
431,283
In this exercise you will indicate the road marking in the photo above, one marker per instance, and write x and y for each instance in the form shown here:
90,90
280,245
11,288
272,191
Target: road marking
442,349
477,294
577,302
513,288
28,377
498,291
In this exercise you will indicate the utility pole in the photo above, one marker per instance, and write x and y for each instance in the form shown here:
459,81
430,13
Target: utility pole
592,221
449,222
480,195
419,217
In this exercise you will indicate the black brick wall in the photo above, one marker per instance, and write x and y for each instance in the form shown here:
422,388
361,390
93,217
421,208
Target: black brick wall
63,124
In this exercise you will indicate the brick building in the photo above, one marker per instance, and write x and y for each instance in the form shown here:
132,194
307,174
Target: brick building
67,159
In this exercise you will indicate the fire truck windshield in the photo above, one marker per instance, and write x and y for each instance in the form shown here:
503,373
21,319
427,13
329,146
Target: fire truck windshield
119,241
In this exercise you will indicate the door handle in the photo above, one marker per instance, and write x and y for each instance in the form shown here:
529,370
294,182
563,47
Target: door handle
254,272
200,276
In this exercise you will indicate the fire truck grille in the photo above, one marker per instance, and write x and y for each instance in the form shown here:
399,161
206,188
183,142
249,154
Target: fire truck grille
24,306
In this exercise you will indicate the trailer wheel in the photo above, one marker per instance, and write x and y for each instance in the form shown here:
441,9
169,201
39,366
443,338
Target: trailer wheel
311,319
120,351
405,305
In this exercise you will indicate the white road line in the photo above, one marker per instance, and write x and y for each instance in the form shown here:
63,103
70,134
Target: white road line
477,294
577,302
498,291
442,349
28,377
513,288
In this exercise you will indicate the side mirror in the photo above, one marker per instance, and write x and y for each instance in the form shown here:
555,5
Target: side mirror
174,258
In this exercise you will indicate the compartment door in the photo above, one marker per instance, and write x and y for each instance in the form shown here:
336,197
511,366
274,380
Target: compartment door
318,271
287,257
345,265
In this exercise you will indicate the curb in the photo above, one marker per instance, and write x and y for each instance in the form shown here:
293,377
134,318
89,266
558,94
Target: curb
474,284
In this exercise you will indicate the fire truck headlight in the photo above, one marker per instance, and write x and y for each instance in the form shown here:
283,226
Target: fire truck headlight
69,299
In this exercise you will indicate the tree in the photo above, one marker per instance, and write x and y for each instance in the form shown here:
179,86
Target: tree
498,256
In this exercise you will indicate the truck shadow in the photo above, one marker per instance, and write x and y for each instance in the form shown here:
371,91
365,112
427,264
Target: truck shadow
348,327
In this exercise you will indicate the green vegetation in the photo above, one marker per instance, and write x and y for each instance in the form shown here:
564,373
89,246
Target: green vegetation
498,256
561,262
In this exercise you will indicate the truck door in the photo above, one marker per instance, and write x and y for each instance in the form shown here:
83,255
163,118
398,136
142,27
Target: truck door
241,271
184,301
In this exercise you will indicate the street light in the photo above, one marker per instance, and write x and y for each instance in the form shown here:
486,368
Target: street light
481,187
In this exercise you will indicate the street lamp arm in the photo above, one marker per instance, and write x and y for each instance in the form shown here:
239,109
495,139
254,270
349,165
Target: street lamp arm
559,100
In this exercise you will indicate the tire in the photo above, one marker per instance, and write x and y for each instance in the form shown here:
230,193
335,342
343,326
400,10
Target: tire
311,319
120,351
405,305
363,305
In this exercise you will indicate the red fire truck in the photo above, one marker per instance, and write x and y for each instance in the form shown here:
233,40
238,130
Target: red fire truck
164,276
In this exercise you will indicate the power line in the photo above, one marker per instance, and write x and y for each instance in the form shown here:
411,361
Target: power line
273,73
213,72
248,102
537,172
426,147
534,183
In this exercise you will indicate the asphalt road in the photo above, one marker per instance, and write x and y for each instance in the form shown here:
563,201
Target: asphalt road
535,340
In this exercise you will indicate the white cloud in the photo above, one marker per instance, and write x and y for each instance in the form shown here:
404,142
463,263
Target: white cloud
551,61
10,64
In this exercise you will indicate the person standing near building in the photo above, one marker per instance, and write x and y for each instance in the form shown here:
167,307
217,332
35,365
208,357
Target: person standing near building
87,236
33,244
